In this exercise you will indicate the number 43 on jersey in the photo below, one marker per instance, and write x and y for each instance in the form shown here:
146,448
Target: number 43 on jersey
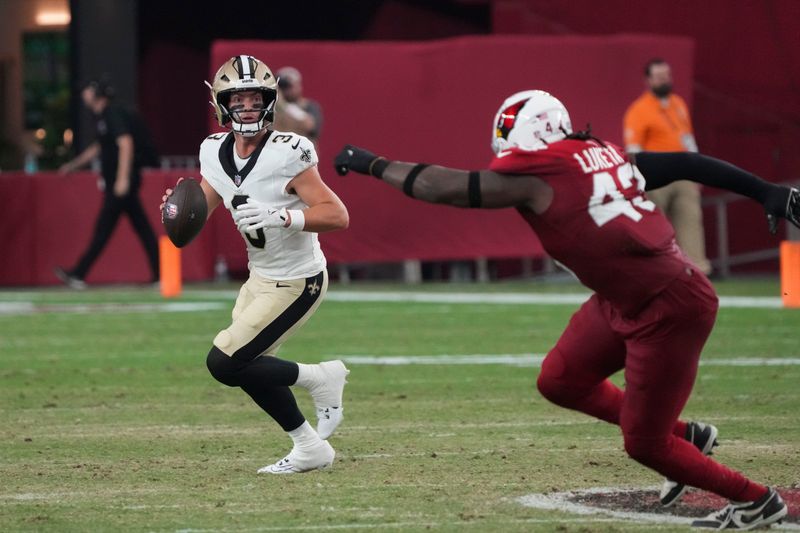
602,210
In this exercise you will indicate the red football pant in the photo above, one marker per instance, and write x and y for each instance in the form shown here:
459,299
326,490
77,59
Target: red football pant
659,350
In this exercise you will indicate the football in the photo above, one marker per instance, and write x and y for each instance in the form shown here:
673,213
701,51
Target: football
185,212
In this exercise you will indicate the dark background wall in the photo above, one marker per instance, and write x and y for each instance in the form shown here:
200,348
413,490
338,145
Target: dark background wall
103,35
747,77
747,74
747,65
175,39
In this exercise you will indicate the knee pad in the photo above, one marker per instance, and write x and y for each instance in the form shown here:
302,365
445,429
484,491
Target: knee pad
650,452
549,383
223,367
559,382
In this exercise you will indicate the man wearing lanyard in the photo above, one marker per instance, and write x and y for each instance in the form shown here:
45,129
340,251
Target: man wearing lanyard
659,121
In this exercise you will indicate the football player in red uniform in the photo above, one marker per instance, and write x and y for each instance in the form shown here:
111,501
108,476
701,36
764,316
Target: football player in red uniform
652,309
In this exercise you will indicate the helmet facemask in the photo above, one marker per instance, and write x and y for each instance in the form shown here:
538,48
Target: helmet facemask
231,114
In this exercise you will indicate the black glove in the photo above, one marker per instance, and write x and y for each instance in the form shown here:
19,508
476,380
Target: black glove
784,202
355,159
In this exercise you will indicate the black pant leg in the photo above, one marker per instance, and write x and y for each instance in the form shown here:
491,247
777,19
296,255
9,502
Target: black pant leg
135,210
104,226
277,402
265,379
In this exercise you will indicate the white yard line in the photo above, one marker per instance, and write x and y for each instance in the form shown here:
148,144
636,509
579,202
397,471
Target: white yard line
465,359
529,360
499,298
766,302
458,297
14,303
30,308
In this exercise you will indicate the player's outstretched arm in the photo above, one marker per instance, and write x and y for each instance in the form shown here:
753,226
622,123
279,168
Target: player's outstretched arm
662,168
442,185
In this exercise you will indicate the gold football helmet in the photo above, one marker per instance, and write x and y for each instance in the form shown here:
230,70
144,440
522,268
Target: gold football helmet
243,73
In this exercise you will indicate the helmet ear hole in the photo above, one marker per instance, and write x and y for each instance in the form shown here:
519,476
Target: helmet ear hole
270,100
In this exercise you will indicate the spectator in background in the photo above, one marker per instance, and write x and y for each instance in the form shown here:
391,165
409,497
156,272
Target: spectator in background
659,121
295,112
124,146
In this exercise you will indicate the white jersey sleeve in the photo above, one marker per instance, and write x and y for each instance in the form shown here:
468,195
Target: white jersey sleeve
210,168
302,156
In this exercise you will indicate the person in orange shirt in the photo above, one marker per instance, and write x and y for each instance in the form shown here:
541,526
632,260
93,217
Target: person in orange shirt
659,121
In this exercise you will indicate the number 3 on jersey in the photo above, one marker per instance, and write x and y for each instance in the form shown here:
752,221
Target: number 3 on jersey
605,186
260,240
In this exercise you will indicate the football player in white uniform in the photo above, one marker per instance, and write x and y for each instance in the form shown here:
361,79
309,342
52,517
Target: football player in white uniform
269,182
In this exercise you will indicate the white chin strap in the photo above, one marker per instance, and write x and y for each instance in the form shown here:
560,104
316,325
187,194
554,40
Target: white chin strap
248,130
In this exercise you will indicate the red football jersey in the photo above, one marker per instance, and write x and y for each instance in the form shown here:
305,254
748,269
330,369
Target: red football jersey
599,224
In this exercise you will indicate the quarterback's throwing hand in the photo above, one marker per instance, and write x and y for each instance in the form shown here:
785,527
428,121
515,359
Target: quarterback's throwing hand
355,159
253,215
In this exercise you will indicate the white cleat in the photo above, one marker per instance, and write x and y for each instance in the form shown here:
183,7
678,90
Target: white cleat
328,419
328,397
299,461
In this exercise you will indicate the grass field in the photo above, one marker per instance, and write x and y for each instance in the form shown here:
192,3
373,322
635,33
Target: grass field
110,421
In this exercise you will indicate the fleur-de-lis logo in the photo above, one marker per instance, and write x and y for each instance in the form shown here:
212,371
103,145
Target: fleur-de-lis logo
313,288
305,155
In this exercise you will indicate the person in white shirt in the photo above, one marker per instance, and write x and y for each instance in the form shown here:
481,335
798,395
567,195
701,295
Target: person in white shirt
269,182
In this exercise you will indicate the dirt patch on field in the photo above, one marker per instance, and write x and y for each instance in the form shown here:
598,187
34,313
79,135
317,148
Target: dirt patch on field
693,504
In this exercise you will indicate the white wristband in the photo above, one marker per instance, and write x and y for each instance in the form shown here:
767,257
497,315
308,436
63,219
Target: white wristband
297,219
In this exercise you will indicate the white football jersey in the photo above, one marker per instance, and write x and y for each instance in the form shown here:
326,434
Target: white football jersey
274,253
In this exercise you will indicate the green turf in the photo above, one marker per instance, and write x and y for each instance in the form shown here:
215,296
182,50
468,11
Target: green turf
109,421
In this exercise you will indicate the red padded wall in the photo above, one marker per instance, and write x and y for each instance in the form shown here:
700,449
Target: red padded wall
50,222
435,102
431,101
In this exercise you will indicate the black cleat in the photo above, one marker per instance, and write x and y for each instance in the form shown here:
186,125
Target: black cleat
704,437
767,510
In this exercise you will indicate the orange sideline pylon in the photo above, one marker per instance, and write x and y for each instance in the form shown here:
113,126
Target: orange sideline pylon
170,268
790,273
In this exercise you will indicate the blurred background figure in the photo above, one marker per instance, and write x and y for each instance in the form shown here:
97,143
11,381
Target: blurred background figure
659,121
295,112
123,145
